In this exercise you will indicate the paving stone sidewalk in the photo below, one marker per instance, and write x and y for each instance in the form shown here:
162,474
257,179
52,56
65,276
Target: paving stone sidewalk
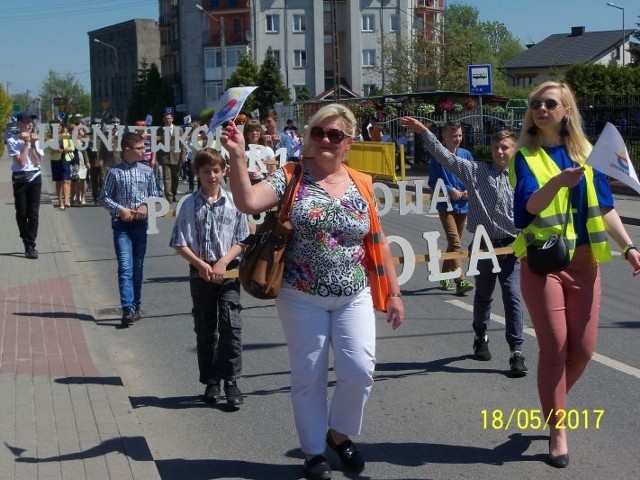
64,413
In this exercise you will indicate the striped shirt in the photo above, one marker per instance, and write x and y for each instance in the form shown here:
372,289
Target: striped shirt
488,188
127,186
209,230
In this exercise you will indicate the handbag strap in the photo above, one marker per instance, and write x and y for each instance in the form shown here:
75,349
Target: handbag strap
529,238
287,198
568,212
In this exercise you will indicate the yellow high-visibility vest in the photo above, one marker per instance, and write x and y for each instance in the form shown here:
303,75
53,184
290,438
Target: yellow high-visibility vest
551,220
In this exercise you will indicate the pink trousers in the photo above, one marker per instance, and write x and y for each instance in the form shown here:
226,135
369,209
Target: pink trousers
564,308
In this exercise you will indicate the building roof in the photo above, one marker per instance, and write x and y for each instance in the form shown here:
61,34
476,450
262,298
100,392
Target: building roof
563,49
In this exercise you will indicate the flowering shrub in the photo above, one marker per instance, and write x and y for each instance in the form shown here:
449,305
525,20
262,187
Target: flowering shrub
498,109
457,108
469,104
426,109
390,110
446,106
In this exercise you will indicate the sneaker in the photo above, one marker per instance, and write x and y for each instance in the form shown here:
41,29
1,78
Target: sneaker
137,313
446,285
463,286
516,364
481,349
128,317
317,468
31,253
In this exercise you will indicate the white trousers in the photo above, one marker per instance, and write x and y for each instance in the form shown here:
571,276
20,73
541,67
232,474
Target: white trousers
312,325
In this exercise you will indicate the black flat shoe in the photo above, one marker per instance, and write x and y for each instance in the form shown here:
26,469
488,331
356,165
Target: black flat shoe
211,393
317,468
561,461
233,394
349,455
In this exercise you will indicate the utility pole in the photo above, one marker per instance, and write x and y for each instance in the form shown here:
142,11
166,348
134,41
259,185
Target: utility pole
336,56
223,44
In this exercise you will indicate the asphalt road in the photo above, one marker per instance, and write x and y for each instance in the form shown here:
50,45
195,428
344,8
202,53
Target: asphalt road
431,413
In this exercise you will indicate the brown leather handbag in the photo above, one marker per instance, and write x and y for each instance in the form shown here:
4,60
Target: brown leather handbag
262,264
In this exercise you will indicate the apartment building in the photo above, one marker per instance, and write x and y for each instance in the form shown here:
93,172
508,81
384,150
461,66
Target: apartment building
318,44
116,53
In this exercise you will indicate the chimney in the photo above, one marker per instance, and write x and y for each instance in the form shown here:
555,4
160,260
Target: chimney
577,31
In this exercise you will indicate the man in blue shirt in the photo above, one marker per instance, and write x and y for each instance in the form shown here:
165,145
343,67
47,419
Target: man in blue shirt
126,189
453,222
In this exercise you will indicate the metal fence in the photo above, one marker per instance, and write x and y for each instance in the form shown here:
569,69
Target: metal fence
621,110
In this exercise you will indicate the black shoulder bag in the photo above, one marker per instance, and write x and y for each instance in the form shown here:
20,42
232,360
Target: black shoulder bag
552,254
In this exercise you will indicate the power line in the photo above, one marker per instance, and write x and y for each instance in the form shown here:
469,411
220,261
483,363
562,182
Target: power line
69,12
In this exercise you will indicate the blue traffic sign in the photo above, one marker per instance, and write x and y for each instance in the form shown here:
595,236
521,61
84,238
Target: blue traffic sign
480,80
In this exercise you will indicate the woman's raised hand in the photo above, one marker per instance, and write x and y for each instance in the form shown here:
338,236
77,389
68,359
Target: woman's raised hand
232,139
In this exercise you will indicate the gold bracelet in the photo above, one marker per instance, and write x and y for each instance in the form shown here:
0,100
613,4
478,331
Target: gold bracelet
395,295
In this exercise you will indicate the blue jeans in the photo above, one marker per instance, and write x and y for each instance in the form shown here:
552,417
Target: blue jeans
509,278
130,242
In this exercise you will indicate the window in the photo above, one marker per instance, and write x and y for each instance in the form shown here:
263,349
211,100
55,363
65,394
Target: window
367,23
367,88
212,58
213,91
299,23
300,58
395,23
368,58
273,23
234,54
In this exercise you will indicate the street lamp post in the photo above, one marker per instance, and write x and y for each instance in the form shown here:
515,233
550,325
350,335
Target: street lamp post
115,52
223,46
624,33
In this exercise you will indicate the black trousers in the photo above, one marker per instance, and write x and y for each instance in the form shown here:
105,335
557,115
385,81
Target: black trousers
27,201
218,327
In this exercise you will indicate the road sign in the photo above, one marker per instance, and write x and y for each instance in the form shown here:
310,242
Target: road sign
17,108
480,80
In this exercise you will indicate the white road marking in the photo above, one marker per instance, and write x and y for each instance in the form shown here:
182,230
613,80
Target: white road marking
604,360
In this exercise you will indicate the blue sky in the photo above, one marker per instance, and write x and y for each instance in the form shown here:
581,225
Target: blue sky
41,35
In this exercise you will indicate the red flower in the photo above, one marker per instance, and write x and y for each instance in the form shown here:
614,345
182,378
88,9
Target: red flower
446,106
469,104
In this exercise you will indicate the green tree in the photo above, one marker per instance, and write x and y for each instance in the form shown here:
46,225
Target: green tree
245,75
602,80
5,111
303,95
470,41
407,65
271,86
151,94
64,91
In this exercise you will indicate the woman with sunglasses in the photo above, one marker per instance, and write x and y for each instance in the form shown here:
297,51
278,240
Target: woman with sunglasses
338,269
556,191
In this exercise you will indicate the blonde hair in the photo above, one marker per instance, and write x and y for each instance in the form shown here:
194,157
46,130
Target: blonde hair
577,143
333,110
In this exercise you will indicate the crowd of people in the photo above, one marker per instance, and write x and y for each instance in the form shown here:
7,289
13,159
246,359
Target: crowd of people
338,269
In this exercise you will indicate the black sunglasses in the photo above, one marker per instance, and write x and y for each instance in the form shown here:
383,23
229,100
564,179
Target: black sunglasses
334,135
549,103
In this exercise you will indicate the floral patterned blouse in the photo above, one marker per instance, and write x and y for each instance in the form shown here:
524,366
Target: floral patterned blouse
325,255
